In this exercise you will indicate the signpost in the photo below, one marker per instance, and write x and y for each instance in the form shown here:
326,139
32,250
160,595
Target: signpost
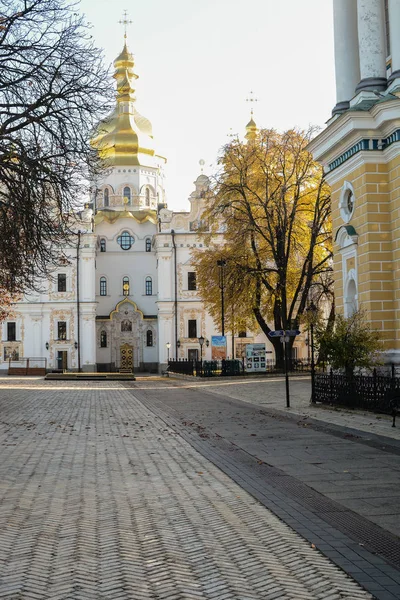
285,335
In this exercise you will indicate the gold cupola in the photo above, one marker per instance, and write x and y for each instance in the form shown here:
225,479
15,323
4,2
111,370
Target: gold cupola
125,137
251,129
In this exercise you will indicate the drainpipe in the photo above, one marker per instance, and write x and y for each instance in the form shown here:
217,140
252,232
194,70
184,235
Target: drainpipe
78,311
175,294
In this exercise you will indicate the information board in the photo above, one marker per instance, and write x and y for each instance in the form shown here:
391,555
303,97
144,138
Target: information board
255,358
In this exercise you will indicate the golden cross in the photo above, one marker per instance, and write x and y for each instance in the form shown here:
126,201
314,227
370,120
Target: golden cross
125,21
251,98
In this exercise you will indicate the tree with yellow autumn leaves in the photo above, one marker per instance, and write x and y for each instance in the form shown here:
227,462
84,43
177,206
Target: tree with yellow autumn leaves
270,201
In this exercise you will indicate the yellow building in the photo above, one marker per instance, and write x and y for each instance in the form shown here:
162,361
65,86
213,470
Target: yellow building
360,152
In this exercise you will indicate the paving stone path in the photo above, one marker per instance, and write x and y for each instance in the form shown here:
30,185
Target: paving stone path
100,500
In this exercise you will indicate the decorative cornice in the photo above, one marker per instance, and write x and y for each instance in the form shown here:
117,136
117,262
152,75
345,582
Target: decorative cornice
355,124
375,144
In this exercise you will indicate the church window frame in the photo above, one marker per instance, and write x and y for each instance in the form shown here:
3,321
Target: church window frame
149,338
62,330
192,328
148,286
61,282
347,202
103,339
192,281
125,286
11,331
147,197
103,245
148,244
125,240
103,286
127,193
106,197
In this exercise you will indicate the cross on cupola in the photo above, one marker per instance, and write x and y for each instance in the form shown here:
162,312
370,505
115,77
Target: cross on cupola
251,98
125,22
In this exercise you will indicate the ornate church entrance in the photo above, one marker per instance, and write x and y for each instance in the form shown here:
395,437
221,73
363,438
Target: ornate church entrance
126,358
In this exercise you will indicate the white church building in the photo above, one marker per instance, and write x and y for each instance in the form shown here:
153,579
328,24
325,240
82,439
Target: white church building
127,295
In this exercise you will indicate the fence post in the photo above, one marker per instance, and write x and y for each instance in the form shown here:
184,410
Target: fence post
375,386
27,366
331,384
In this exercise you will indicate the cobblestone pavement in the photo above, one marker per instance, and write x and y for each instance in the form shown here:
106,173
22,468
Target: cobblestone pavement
101,500
270,393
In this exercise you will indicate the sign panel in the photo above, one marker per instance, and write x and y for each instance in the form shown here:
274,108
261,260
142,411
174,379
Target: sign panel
218,347
282,333
278,333
255,358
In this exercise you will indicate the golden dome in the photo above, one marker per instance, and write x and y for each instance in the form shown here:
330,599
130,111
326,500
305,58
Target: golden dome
251,129
125,137
124,57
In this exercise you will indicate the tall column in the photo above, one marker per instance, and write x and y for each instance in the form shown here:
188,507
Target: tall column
372,45
347,65
394,24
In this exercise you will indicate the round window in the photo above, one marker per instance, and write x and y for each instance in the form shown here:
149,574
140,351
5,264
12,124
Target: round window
125,240
347,202
350,201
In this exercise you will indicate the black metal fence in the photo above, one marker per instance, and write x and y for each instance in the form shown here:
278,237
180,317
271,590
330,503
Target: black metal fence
377,393
215,368
206,368
184,367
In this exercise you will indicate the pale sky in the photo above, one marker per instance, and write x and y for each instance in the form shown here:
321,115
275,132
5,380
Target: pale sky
197,61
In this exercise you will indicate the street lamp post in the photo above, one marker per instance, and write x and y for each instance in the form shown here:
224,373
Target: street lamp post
201,342
312,311
222,263
168,347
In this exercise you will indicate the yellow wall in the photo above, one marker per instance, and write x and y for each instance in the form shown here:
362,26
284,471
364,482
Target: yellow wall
376,220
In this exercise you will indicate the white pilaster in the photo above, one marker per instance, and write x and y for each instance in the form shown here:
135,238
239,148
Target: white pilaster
347,64
88,342
394,23
372,45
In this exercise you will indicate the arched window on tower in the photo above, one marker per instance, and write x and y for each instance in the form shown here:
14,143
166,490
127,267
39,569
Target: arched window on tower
351,299
149,338
102,245
125,286
148,244
147,193
149,286
106,196
127,194
103,339
103,286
